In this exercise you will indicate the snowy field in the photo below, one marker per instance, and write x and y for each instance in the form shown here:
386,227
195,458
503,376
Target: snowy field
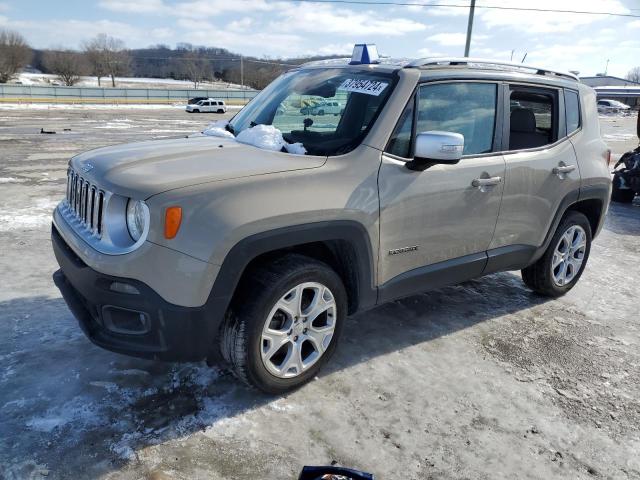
106,106
483,380
44,79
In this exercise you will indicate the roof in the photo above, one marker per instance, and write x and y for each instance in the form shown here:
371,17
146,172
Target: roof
459,65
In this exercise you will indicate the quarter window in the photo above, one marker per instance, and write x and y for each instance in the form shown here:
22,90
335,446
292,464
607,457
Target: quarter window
532,119
572,109
461,107
400,142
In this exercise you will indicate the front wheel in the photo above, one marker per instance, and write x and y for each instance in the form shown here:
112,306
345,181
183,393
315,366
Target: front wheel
621,195
285,323
196,110
562,264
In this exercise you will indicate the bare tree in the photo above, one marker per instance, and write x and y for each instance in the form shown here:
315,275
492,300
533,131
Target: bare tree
95,60
66,64
107,56
14,54
193,65
634,75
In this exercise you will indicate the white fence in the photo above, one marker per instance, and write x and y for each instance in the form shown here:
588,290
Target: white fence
26,93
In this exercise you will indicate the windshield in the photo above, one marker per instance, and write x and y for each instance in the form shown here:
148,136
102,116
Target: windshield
329,111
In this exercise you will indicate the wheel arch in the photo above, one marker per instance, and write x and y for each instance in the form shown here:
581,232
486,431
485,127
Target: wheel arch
343,245
592,201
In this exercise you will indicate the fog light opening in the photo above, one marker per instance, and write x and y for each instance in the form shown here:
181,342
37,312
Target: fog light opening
123,320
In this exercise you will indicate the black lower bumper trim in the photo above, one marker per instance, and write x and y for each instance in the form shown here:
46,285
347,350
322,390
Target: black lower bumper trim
172,333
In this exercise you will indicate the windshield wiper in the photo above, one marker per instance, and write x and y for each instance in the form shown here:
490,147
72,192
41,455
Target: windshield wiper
229,128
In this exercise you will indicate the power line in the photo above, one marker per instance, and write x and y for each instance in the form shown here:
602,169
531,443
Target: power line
455,5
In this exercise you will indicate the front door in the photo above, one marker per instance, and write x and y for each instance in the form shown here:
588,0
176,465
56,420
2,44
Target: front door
436,225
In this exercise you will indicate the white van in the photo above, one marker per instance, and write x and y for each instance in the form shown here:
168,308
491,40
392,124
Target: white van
208,105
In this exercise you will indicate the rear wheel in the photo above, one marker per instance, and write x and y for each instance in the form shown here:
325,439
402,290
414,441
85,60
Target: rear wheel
621,195
561,266
285,324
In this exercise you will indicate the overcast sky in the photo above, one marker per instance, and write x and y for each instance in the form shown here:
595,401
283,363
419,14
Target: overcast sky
284,29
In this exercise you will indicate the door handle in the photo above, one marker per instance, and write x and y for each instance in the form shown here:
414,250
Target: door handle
486,182
563,169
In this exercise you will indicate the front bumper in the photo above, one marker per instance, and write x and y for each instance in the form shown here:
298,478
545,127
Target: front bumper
139,324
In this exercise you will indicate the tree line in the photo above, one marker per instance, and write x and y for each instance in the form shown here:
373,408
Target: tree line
107,57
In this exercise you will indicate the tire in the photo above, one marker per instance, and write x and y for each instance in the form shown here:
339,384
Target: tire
196,110
621,195
254,312
541,277
220,110
321,112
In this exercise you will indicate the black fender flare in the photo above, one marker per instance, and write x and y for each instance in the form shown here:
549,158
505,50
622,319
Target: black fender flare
590,192
249,248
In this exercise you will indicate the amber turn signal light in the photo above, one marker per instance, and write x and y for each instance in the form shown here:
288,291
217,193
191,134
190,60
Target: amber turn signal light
172,219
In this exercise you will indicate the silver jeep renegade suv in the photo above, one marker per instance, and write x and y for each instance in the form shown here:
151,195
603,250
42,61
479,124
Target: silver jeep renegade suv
432,173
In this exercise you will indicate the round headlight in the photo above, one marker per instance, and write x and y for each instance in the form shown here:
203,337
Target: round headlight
136,218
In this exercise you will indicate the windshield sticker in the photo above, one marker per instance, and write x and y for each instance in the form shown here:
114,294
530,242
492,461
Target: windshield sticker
368,87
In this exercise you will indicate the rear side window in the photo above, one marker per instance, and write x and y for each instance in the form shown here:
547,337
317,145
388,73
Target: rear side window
533,118
461,107
572,110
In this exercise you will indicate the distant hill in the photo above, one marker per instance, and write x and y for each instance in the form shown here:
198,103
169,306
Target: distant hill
208,64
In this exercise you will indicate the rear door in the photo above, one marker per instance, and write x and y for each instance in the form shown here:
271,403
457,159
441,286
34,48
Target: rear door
437,220
541,168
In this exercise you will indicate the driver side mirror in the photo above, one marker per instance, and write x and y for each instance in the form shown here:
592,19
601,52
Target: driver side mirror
435,147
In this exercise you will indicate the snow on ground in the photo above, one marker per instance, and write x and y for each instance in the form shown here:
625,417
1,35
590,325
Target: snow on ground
31,216
99,106
133,82
479,380
618,137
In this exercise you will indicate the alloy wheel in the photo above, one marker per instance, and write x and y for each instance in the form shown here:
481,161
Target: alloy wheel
298,330
568,255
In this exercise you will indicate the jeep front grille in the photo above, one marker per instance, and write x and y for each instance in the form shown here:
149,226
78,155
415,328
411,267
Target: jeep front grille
85,202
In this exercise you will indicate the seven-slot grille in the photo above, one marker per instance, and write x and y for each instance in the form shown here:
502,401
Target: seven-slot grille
86,202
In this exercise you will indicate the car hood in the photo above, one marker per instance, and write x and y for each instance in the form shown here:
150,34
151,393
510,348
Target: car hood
144,169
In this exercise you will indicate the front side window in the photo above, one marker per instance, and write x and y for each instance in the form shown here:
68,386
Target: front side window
533,118
572,110
327,110
461,107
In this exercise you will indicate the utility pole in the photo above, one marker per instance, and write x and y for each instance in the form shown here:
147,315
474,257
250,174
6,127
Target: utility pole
472,10
606,68
242,71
